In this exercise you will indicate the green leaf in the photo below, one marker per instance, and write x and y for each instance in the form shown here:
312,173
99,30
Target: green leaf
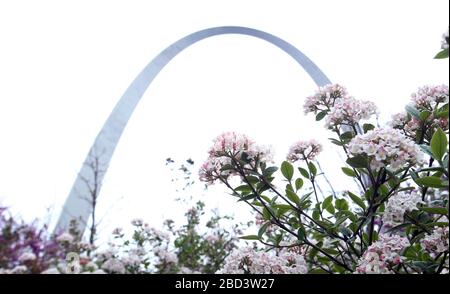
424,114
287,170
263,229
316,214
330,209
435,210
252,179
298,184
442,112
243,188
412,111
266,214
247,198
293,196
303,172
439,144
336,142
347,136
368,127
357,200
340,220
250,237
321,115
341,204
442,55
349,172
328,204
301,234
433,182
359,161
269,171
327,201
226,167
312,168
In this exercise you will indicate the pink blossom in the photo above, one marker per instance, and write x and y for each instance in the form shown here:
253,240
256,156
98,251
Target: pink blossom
349,111
303,150
386,147
427,97
65,237
228,148
382,255
437,242
324,98
398,205
249,260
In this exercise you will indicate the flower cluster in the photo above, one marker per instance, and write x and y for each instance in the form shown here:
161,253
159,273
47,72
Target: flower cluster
228,149
445,41
398,205
437,242
324,98
409,125
350,111
65,238
304,150
386,147
26,248
428,97
382,255
333,102
249,261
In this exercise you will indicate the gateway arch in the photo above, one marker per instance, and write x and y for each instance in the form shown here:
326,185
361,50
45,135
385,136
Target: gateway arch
75,206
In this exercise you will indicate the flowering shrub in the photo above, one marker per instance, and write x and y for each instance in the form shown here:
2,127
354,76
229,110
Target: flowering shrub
395,220
198,246
26,248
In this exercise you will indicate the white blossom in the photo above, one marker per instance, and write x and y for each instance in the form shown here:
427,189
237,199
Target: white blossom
302,150
382,255
350,111
229,146
398,205
427,97
386,147
65,237
324,98
113,266
436,242
249,260
137,222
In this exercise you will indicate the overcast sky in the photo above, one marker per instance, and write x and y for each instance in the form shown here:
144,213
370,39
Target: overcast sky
64,65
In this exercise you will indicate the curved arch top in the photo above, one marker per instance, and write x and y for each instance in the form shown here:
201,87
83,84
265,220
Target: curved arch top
101,152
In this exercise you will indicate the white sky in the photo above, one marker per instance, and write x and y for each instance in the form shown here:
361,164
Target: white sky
64,65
